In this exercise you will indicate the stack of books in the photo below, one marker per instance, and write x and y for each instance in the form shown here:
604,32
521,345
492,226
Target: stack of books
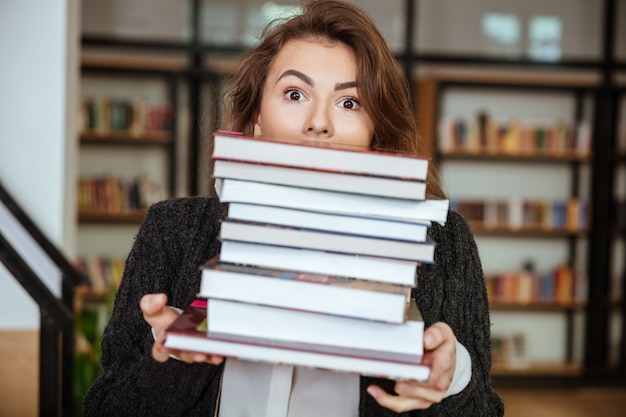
319,255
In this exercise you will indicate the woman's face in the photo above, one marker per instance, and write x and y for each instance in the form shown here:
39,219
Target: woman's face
311,93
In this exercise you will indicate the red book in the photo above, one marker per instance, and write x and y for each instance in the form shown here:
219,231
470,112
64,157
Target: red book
189,333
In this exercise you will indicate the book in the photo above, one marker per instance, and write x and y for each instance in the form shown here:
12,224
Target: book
371,268
189,332
271,234
230,191
323,155
253,320
375,227
293,289
321,180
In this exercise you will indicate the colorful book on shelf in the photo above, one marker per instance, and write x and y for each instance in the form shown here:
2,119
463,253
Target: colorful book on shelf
321,180
370,268
375,227
322,155
271,234
329,294
254,320
189,332
230,190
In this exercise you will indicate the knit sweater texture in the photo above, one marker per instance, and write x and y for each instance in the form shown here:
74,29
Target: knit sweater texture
179,235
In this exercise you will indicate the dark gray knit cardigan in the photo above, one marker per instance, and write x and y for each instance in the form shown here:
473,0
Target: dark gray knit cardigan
177,236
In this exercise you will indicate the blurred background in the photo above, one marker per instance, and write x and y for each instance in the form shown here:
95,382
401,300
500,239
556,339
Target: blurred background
109,107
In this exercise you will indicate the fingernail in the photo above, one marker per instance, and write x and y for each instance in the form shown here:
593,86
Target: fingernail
371,391
428,340
157,299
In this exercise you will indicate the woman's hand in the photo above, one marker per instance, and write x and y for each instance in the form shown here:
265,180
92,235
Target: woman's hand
440,355
160,316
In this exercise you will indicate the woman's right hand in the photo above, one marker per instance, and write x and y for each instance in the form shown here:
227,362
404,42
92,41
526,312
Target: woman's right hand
159,316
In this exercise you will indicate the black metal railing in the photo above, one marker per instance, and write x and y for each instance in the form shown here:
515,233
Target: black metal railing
56,310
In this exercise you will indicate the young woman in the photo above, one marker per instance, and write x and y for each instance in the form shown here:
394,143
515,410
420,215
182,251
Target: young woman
326,74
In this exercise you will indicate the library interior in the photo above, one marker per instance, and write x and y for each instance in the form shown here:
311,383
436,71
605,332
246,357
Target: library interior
111,107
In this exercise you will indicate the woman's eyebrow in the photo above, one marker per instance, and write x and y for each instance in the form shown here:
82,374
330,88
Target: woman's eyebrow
343,86
298,74
309,80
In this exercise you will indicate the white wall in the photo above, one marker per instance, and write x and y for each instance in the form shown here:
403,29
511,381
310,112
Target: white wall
38,77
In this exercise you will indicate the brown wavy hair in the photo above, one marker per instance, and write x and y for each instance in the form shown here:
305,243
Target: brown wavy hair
383,88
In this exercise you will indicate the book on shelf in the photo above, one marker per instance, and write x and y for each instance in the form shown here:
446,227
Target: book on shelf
517,213
322,155
330,294
254,320
109,194
375,227
190,332
482,134
321,180
230,190
370,268
135,117
559,286
510,351
271,234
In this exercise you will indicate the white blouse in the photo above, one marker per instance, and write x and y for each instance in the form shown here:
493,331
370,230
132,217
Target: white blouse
264,390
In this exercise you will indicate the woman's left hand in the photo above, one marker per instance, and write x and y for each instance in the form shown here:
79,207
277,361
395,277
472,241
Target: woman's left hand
440,355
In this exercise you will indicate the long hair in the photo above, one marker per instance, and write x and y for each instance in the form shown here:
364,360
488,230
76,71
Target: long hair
383,88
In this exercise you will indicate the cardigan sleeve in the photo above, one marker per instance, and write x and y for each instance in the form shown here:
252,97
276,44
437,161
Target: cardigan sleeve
452,290
132,382
458,297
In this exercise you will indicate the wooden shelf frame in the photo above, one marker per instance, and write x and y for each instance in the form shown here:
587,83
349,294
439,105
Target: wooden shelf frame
121,217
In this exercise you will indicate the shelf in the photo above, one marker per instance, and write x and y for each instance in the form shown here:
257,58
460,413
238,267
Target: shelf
556,369
132,61
482,230
509,157
125,138
94,296
536,306
135,216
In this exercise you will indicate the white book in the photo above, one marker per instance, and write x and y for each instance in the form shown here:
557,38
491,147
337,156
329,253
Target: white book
253,320
230,191
321,180
324,155
188,332
330,294
270,234
374,227
370,268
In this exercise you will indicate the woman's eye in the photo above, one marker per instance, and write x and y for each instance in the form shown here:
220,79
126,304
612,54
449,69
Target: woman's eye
294,95
350,104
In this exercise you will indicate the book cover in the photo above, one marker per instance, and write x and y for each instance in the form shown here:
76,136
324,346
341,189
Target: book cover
189,332
325,155
370,268
271,234
230,190
328,294
321,180
254,320
369,226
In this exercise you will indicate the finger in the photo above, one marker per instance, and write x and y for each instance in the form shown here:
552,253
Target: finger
159,352
418,390
397,403
152,304
191,357
436,335
441,357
